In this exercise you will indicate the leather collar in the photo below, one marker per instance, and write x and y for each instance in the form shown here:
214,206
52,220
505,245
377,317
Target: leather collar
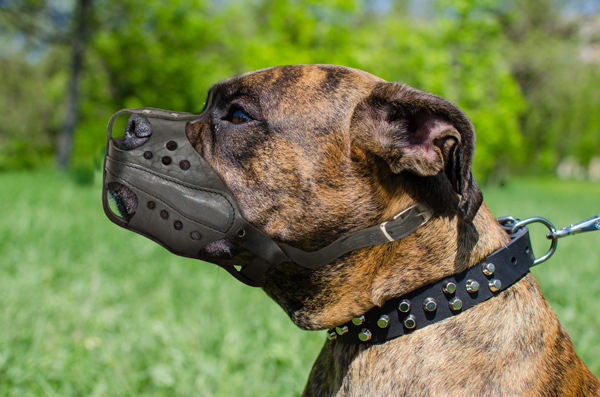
446,298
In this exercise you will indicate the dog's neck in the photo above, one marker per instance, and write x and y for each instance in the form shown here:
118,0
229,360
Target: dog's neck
369,277
464,354
455,244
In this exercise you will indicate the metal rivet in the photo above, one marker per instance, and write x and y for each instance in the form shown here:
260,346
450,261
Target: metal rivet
147,155
472,286
495,285
358,320
488,268
171,145
455,304
429,305
151,205
195,235
448,287
241,233
164,214
341,330
331,335
178,225
365,335
184,165
383,322
166,160
410,322
404,306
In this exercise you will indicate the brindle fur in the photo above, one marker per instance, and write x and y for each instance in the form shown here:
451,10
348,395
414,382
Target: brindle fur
333,150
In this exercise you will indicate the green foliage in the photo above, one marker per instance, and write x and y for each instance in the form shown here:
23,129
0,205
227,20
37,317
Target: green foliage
92,309
30,110
559,86
461,60
514,67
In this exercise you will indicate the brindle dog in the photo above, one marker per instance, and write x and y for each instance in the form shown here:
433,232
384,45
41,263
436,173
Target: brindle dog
312,153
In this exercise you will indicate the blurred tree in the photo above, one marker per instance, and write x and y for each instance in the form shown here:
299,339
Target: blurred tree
78,43
544,51
31,33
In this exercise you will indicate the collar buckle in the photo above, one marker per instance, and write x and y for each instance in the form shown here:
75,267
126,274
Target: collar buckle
415,216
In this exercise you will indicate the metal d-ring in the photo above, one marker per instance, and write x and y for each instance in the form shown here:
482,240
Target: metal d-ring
537,219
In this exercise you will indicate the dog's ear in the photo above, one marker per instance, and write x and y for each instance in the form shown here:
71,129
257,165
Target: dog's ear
420,133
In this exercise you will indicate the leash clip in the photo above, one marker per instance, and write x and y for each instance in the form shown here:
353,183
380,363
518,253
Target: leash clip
587,225
511,225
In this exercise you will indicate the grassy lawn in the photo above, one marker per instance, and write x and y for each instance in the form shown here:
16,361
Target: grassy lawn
87,308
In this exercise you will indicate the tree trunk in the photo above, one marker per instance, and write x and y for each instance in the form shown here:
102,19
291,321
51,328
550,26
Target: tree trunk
67,132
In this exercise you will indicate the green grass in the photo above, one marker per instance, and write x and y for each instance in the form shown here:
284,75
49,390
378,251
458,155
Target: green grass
87,308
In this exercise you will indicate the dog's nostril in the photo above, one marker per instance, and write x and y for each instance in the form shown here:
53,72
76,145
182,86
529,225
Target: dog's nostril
139,126
137,132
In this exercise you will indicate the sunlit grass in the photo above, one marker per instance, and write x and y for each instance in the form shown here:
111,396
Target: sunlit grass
87,308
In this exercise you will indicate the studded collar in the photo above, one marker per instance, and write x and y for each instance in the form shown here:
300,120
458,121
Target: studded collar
446,298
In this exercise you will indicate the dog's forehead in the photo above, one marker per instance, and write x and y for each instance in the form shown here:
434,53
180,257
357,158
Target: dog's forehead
309,73
297,81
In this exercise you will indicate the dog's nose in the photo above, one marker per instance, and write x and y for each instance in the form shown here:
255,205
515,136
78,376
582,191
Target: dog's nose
137,132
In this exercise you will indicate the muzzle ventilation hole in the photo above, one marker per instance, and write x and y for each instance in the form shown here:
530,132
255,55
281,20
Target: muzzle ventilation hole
167,160
177,225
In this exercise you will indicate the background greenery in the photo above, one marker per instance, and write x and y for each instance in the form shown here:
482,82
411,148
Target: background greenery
525,71
87,308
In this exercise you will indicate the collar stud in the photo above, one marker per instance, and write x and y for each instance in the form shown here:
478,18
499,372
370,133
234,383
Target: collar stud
404,306
430,305
341,330
495,285
455,304
448,287
488,268
410,322
365,335
383,322
472,286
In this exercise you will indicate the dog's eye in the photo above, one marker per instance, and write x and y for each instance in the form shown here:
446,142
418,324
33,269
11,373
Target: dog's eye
239,117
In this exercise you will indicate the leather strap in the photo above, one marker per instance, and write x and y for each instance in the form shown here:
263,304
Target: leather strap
379,324
397,228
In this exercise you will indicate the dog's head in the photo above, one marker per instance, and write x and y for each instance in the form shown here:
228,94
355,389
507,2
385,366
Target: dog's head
313,153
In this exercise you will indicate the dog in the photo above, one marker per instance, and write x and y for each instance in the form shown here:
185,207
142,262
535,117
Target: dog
315,152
